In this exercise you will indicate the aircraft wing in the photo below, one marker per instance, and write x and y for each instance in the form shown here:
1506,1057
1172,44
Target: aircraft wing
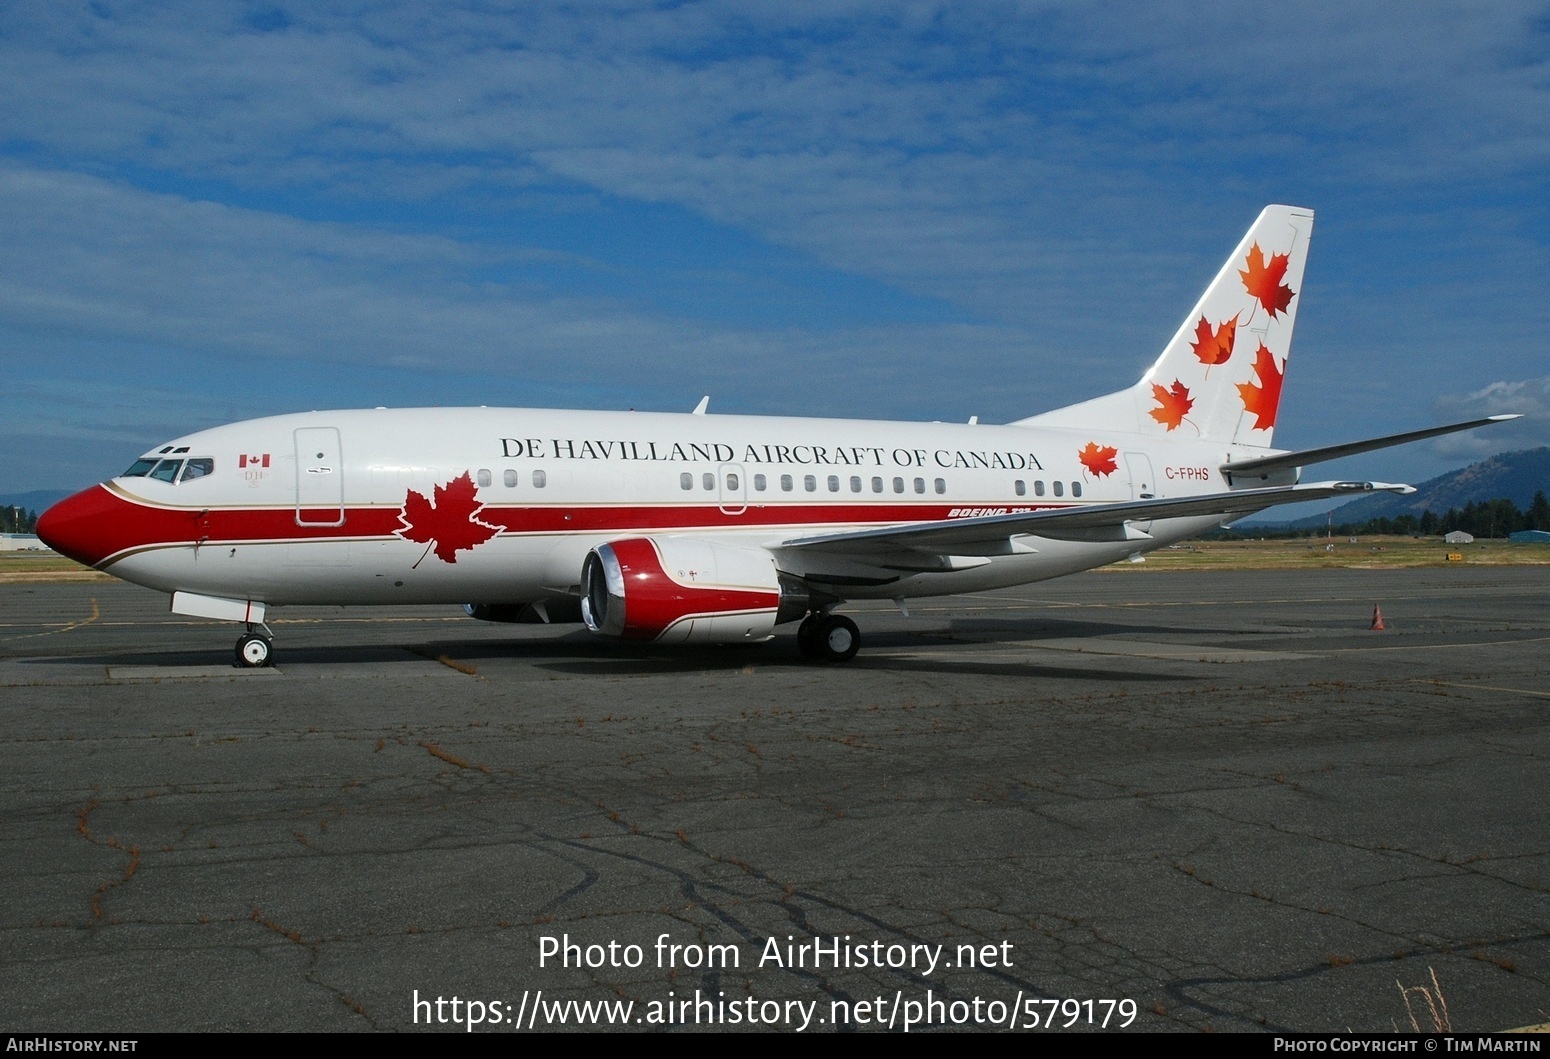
993,534
1283,461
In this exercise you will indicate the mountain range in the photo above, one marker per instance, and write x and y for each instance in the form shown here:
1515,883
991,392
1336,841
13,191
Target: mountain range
1514,475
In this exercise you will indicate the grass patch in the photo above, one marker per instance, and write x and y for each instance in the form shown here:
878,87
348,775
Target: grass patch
1376,553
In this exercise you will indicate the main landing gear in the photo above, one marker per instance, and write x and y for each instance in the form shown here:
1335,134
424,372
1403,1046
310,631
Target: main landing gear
828,638
255,649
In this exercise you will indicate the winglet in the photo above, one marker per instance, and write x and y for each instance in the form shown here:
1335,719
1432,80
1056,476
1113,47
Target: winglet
699,409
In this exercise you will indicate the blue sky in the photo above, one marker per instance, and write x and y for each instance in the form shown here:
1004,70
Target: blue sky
215,211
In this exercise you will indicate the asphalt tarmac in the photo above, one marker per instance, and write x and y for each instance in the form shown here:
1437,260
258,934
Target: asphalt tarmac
1155,800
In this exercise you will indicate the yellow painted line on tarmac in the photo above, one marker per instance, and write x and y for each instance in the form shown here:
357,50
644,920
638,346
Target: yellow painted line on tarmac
49,628
96,612
1482,687
1431,646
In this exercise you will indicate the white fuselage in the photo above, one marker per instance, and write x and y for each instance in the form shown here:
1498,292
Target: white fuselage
316,507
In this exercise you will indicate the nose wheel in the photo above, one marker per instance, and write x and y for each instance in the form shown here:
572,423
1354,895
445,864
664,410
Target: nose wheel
254,650
828,638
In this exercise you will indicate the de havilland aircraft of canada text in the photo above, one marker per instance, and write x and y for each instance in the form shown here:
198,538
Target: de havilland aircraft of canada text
697,528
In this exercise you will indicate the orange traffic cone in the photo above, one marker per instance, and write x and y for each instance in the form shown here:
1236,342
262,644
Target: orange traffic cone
1377,618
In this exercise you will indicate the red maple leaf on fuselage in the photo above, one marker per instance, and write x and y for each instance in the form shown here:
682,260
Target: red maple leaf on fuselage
1264,399
450,522
1214,346
1173,404
1264,281
1098,458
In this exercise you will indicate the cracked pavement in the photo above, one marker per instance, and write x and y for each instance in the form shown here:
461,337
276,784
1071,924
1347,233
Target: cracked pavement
1216,794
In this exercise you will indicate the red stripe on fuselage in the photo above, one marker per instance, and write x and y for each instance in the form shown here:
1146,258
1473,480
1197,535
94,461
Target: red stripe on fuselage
100,525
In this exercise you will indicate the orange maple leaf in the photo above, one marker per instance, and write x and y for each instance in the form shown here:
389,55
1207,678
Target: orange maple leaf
450,524
1263,399
1263,281
1098,458
1172,404
1214,347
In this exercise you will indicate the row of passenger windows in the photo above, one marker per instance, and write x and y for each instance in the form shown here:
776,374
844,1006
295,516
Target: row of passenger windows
1059,488
185,470
810,483
510,478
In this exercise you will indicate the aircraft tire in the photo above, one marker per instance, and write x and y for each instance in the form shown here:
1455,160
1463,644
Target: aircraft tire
837,639
254,651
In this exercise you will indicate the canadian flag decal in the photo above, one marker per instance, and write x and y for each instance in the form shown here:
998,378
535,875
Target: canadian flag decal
245,460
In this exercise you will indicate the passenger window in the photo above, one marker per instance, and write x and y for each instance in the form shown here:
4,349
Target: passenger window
920,485
483,477
167,470
834,483
1076,488
810,483
855,483
197,469
709,480
1060,490
1038,487
941,486
758,482
732,482
898,485
510,478
785,483
877,485
686,480
1020,487
540,479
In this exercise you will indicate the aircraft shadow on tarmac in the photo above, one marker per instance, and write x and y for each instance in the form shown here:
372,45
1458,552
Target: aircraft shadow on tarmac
948,648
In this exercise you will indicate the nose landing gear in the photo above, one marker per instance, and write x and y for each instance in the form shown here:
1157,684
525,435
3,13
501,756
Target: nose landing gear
828,638
255,649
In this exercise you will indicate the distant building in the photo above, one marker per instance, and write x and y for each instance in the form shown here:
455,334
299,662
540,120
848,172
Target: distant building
1530,537
21,542
1458,537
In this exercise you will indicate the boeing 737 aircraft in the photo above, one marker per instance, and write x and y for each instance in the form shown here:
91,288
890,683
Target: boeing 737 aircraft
698,528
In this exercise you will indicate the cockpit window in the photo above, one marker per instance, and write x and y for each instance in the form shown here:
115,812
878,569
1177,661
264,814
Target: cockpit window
167,470
197,468
139,469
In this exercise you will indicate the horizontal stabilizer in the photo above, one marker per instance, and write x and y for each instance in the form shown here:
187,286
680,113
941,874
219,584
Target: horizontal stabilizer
989,535
1265,466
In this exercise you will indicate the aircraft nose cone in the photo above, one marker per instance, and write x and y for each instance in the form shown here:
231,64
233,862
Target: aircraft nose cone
80,526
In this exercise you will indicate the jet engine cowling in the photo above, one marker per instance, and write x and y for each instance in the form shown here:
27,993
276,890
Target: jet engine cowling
683,590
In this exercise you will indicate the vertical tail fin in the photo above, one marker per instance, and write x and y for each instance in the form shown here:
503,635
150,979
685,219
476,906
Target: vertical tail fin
1220,376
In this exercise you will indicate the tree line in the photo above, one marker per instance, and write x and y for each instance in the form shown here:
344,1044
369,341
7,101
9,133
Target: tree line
18,520
1488,518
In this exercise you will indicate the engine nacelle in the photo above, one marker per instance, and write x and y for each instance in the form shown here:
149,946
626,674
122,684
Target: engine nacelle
682,590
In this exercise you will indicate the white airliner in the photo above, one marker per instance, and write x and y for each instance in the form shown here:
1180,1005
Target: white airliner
696,528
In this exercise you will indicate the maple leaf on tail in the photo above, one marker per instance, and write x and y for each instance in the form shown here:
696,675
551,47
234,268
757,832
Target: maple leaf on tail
1098,458
1172,404
1263,281
1214,346
1263,399
449,523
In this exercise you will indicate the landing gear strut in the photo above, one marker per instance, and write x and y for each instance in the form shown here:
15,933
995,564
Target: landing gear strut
828,638
254,649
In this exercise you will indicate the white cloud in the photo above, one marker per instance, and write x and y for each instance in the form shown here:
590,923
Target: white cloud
1064,177
1527,397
